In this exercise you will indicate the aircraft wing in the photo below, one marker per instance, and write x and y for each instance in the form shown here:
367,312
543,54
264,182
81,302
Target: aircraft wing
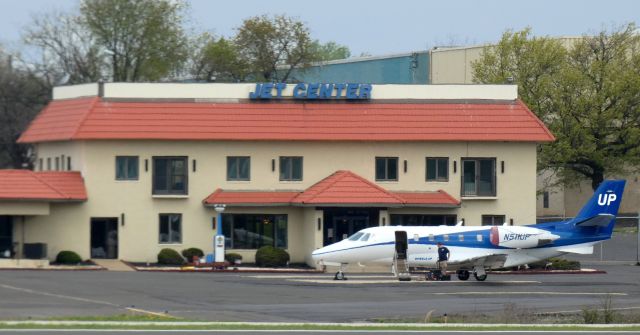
488,261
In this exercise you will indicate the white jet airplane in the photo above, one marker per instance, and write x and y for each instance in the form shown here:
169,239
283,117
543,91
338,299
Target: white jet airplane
475,249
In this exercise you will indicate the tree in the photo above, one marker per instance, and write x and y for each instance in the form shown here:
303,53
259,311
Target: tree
266,43
69,52
588,95
329,51
22,95
218,60
144,39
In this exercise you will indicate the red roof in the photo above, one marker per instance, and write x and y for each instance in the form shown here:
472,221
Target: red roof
48,186
97,119
345,187
339,189
250,197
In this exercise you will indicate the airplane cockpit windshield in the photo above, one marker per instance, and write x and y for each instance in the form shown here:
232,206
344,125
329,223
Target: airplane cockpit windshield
356,236
365,237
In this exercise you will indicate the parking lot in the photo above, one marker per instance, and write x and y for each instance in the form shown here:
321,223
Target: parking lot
297,298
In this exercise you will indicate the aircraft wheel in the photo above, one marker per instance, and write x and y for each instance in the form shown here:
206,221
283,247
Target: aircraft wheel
480,277
463,274
339,276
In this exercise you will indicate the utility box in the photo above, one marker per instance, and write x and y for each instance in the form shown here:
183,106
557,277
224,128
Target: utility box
34,250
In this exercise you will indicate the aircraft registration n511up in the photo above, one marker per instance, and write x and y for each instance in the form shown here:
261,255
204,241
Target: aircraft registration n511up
477,249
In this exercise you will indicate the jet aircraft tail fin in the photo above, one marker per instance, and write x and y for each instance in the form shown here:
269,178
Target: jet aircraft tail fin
599,213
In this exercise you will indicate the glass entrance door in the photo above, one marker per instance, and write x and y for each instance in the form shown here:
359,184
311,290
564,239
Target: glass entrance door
6,236
340,223
104,238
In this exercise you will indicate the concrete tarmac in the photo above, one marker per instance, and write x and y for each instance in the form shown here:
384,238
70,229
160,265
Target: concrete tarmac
302,298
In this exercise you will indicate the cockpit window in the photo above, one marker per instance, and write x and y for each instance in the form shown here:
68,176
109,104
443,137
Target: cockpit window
365,237
356,236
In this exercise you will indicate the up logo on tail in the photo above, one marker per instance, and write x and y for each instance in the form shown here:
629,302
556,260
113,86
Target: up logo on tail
606,199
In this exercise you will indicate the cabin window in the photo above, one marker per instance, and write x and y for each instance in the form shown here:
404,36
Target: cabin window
461,237
479,237
416,237
445,237
431,237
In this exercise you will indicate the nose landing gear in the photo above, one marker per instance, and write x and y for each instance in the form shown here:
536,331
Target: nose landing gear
340,274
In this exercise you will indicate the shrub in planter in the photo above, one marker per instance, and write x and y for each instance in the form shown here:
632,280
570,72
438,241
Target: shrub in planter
269,256
232,257
556,264
189,253
68,257
169,257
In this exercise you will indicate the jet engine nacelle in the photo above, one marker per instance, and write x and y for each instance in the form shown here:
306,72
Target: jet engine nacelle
520,237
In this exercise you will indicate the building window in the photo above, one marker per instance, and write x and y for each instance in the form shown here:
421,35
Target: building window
62,160
40,164
290,168
493,220
57,163
170,175
48,163
170,228
252,231
238,168
69,163
437,169
386,168
126,167
422,220
545,199
479,177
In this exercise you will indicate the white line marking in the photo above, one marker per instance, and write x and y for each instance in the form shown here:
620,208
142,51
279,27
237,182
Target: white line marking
308,331
526,293
92,301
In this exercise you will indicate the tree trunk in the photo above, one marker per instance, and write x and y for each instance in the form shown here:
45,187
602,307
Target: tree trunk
597,178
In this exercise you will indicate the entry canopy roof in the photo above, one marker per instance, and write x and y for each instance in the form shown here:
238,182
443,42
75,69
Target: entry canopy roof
21,185
341,189
96,118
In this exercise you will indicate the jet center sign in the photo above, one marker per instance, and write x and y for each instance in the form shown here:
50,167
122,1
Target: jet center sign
312,91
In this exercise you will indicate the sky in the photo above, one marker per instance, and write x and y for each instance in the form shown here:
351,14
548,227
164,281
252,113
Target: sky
379,27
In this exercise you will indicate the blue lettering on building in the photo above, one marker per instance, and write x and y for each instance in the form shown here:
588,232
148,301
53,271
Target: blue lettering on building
313,91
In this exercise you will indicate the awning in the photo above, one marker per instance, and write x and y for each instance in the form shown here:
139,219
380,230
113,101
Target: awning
340,189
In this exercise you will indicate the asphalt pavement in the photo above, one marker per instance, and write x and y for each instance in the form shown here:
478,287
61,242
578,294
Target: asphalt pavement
302,298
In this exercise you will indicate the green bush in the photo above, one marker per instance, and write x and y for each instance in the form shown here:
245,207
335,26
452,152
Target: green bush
170,257
68,257
232,257
189,253
556,264
271,257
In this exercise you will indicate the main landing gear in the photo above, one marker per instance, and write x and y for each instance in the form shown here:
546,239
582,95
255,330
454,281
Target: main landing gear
463,274
478,273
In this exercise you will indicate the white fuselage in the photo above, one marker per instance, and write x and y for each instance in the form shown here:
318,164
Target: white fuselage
465,244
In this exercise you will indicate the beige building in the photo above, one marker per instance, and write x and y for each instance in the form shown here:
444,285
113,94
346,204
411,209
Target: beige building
297,166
